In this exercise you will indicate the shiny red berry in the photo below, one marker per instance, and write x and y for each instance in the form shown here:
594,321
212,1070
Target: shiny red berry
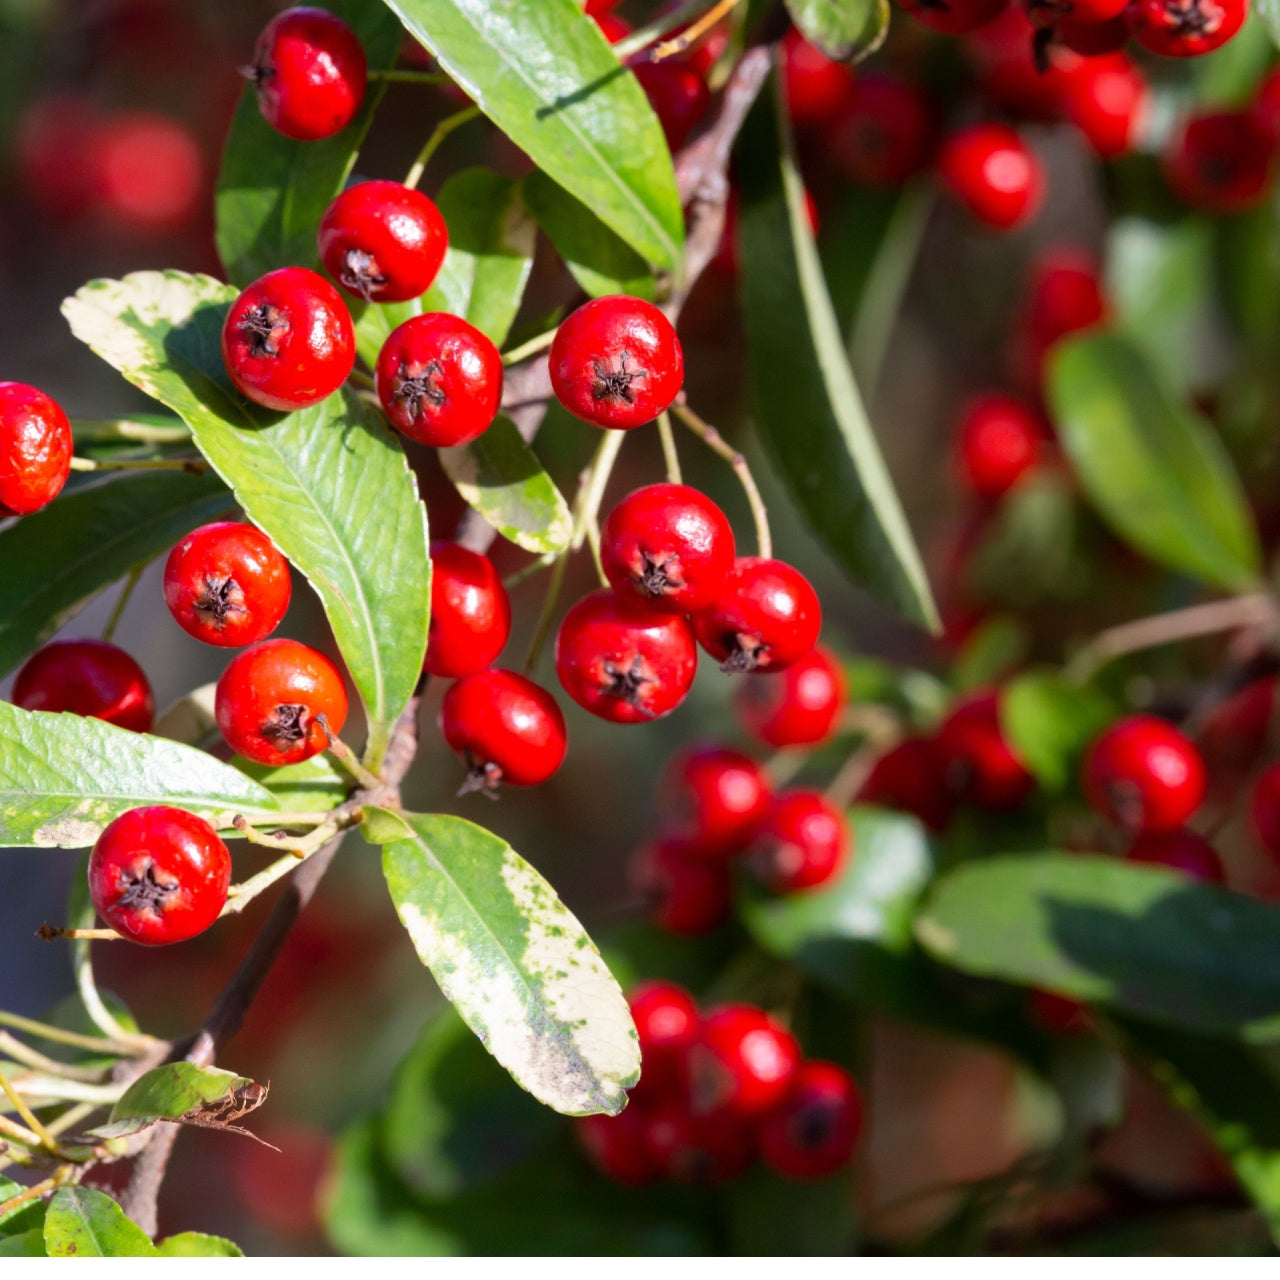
667,1021
470,612
714,798
159,875
1265,809
798,707
908,777
742,1064
439,380
683,894
1064,296
35,449
697,1150
382,241
1144,775
272,699
954,17
678,95
288,341
622,661
994,174
768,617
226,584
1185,28
802,843
978,763
884,131
1182,850
667,546
87,678
1108,101
618,1146
616,362
1222,162
310,73
1000,440
506,728
815,1129
816,86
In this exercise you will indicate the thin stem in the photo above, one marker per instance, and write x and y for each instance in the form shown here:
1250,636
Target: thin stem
129,429
299,846
434,142
14,1048
14,1130
717,443
63,1174
397,75
48,932
44,1086
122,600
711,13
347,757
240,895
193,466
547,614
74,1039
669,454
530,348
593,541
67,1120
29,1117
591,493
785,764
362,380
530,570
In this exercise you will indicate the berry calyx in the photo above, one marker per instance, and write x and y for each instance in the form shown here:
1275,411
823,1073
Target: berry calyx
667,546
683,894
382,241
310,73
815,1129
35,449
278,702
86,678
802,843
616,362
227,584
288,341
1181,850
767,617
994,174
159,875
715,798
1000,440
506,728
1185,28
622,661
742,1064
1144,775
798,707
439,380
470,612
978,764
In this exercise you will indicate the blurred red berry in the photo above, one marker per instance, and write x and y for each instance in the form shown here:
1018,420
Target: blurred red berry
1181,850
742,1064
978,762
813,1132
883,132
802,843
816,87
682,894
908,777
1001,439
990,170
1265,810
954,17
1222,162
714,798
470,612
798,707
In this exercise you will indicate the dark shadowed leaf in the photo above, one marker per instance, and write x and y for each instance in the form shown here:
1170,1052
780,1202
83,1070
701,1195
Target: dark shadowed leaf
182,1091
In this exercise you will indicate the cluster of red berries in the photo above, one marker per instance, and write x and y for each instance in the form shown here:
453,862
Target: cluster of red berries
718,1089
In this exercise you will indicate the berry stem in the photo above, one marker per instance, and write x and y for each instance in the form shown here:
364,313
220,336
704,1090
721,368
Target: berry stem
434,142
669,454
343,753
29,1117
65,1173
87,429
532,569
530,348
398,76
360,379
710,13
20,1052
240,895
717,443
299,846
74,1039
122,600
193,466
48,932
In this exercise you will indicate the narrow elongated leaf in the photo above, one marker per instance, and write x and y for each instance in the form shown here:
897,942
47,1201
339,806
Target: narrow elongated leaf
501,477
544,74
1155,469
57,560
184,1092
329,483
838,27
517,965
196,1244
1142,940
808,409
64,777
1050,722
83,1223
482,278
272,190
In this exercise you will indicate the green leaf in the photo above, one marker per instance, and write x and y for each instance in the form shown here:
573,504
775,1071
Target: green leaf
82,1223
808,409
273,190
179,1091
329,484
310,787
24,1244
482,279
517,965
63,777
840,28
501,477
996,647
544,74
57,560
195,1244
1142,940
192,719
1156,470
26,1217
601,262
1050,723
1269,12
769,1216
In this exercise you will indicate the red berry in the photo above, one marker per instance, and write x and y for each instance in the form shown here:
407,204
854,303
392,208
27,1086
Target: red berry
1107,102
978,764
1222,162
618,1146
1181,850
814,1131
802,843
883,134
1185,28
798,707
768,617
52,144
439,379
624,662
908,777
288,341
1048,13
1094,39
35,449
505,727
667,546
147,171
742,1064
1060,1015
226,584
697,1151
616,362
470,612
310,73
1064,296
1144,775
382,241
715,798
954,17
667,1023
159,875
1021,70
1265,810
271,698
683,894
87,678
678,95
994,174
611,26
1000,441
816,86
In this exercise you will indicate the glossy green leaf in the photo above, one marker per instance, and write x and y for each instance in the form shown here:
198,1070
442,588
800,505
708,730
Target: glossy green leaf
543,73
82,1223
26,1217
57,560
600,261
309,787
195,1244
1141,940
24,1244
840,28
1155,469
272,190
808,409
63,777
180,1091
1050,723
517,965
482,279
501,477
329,484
